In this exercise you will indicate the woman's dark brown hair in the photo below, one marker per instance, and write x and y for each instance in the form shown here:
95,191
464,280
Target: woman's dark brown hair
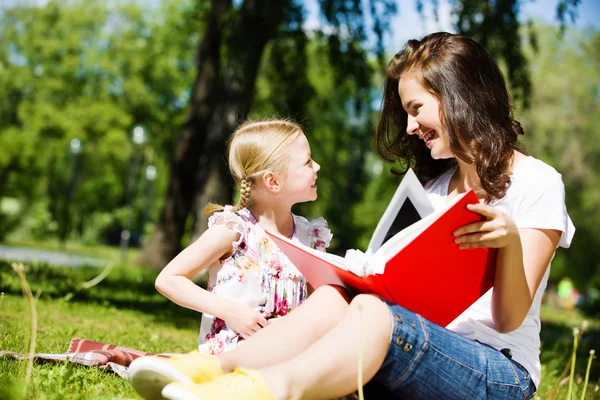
474,106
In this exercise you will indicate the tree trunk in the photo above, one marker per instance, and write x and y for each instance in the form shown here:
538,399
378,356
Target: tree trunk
164,243
199,172
248,44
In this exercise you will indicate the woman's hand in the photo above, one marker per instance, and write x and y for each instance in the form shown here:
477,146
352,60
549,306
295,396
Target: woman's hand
497,231
244,320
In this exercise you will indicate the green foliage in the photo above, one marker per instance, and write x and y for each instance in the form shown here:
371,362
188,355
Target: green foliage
92,71
496,27
332,100
561,129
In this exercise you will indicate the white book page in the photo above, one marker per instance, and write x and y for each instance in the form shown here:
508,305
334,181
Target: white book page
356,263
410,188
394,245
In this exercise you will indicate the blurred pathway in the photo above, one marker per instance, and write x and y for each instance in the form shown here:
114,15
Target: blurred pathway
27,254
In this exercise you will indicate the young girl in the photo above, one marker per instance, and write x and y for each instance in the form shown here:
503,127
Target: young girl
446,113
250,280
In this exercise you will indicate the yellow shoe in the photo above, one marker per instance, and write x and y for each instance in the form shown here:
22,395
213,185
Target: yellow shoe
241,384
149,375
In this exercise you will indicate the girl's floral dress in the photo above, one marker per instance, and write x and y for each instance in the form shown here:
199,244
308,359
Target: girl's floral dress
257,274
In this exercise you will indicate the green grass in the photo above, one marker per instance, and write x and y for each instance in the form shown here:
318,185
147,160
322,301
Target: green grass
125,309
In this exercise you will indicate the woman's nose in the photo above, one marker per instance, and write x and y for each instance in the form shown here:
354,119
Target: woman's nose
411,125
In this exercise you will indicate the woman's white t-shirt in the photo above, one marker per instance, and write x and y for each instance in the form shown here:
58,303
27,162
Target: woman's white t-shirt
535,199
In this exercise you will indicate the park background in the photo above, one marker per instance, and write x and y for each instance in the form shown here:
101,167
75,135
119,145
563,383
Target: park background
113,122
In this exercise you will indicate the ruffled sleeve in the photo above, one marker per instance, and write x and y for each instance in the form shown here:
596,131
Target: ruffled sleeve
233,221
319,234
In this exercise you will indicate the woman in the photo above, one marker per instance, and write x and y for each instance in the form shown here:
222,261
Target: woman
446,113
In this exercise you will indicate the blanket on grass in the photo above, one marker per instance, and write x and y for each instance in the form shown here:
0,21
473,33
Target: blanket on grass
109,357
92,354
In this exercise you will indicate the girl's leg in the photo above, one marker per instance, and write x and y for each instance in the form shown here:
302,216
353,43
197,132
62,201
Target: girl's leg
288,336
422,360
329,368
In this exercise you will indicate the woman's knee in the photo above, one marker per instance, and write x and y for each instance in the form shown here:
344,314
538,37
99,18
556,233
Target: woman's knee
369,302
373,309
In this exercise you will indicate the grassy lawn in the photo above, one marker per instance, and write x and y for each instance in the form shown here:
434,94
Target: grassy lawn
125,309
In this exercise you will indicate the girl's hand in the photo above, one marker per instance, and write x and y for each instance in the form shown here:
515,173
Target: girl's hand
244,320
498,230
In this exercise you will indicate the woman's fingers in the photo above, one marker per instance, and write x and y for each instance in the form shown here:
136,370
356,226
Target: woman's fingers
483,209
496,231
480,239
482,226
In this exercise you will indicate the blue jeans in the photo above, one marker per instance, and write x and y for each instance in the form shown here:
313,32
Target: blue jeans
426,361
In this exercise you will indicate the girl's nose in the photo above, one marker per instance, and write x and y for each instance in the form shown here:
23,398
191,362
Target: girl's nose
412,125
316,166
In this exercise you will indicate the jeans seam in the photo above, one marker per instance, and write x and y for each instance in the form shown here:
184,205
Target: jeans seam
418,357
517,385
514,373
525,389
457,362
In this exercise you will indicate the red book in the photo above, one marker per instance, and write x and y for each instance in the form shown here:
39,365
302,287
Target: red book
419,267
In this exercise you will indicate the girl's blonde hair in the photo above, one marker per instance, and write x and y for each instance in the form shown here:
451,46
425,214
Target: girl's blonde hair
255,148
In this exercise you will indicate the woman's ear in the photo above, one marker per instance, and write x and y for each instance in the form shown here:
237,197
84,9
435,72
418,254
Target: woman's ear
271,182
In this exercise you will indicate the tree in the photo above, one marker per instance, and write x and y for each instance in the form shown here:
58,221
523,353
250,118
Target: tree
561,128
223,93
87,70
228,61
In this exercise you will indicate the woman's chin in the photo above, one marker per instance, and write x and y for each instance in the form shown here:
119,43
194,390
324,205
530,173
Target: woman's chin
441,155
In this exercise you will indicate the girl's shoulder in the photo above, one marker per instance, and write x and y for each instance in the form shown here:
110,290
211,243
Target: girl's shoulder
314,233
239,221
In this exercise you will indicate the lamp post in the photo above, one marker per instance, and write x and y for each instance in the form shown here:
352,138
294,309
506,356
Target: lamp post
150,177
75,147
139,138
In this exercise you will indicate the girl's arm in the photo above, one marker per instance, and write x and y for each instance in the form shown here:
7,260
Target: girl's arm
174,282
523,256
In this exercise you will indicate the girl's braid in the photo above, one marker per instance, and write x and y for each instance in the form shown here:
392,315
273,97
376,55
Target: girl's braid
245,188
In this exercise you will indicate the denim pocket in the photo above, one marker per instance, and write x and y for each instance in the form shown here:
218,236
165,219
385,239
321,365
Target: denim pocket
527,386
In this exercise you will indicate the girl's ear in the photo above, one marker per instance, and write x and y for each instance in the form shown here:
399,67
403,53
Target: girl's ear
271,181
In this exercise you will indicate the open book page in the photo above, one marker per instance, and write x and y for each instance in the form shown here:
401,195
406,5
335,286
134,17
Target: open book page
455,278
408,205
355,261
395,244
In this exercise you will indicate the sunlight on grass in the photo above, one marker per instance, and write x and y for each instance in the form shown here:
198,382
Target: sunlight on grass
125,309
